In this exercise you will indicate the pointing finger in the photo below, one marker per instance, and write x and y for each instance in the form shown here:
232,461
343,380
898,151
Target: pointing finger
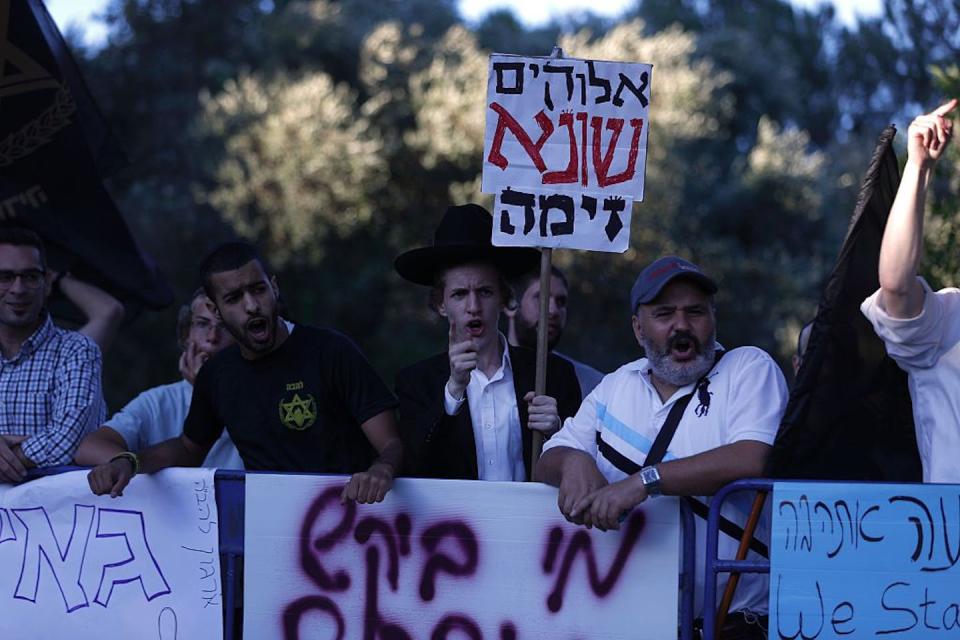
946,108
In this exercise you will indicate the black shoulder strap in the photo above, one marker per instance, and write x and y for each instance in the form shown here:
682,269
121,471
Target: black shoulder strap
662,441
669,428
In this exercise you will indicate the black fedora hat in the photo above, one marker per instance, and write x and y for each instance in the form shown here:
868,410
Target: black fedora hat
463,236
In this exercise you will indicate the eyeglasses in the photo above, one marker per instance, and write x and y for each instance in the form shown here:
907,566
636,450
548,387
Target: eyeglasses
31,278
204,325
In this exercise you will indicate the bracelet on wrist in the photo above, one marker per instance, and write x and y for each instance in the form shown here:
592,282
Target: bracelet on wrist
131,458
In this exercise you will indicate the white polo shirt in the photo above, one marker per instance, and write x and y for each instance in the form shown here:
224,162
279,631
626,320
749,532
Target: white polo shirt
927,347
748,395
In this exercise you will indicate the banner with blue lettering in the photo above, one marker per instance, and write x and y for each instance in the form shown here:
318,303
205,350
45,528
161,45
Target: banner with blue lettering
865,560
143,565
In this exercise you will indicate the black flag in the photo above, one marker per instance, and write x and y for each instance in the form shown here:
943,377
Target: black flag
849,416
55,150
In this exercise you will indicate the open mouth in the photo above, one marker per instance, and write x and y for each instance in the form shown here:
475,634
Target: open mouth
683,347
258,329
474,328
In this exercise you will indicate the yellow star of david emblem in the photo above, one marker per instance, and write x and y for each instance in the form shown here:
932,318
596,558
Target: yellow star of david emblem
298,413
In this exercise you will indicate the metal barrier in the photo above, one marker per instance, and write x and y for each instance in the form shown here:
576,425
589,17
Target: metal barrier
231,507
715,565
231,493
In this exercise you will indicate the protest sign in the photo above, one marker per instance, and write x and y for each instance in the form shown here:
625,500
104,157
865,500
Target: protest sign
446,558
565,150
79,566
865,560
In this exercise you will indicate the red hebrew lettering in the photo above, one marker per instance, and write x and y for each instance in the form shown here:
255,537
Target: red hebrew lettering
582,119
573,166
446,550
602,165
309,546
300,607
506,121
439,562
580,542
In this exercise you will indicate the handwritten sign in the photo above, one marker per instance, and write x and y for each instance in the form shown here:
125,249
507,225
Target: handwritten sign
145,565
865,560
565,150
451,559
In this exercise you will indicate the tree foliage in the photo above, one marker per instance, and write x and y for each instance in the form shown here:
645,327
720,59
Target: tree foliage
334,134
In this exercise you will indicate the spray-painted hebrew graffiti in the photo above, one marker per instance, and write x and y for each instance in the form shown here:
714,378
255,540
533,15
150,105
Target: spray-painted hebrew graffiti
422,565
558,130
896,546
75,564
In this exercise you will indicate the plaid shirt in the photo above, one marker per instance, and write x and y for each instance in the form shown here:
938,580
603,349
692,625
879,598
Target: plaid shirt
50,391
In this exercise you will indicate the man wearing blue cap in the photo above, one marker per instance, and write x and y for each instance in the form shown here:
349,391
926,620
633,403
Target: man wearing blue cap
635,437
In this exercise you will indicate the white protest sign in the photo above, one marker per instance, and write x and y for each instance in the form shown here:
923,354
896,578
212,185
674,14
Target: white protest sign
451,559
144,565
865,560
565,150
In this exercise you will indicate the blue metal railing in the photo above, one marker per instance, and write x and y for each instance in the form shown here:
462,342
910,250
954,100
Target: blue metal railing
714,565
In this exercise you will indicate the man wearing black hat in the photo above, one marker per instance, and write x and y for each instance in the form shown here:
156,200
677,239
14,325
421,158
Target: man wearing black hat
605,460
467,413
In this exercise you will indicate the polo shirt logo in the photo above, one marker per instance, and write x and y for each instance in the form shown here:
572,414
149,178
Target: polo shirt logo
298,413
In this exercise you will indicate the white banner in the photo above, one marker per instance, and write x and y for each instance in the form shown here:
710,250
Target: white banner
144,565
565,135
539,218
451,559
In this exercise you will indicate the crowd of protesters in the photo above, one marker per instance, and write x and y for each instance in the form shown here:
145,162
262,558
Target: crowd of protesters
263,393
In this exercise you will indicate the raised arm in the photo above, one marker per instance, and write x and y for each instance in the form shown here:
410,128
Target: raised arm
104,313
927,139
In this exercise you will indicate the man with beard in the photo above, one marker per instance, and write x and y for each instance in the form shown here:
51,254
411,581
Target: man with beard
468,413
157,414
294,398
524,315
50,392
598,459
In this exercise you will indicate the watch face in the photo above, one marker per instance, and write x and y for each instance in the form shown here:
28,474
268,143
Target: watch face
651,480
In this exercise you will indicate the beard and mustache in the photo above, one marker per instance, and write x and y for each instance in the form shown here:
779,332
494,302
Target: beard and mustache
680,374
527,334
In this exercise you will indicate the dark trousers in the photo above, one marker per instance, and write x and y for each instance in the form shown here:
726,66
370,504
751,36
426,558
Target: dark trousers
739,625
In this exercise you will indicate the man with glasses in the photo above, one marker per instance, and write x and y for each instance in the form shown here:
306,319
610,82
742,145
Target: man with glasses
50,389
157,414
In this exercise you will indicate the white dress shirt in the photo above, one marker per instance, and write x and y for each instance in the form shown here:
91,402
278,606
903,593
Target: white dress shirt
927,347
496,421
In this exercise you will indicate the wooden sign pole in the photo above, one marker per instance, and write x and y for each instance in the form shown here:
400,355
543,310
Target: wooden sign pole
540,382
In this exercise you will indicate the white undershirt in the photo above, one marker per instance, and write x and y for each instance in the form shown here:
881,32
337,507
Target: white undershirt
496,421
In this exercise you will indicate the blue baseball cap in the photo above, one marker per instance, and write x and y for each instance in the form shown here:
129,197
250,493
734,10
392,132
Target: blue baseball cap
661,272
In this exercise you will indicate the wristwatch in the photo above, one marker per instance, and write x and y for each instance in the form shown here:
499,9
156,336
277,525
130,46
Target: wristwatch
651,480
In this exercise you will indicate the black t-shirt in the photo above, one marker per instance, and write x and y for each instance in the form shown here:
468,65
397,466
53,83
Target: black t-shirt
298,408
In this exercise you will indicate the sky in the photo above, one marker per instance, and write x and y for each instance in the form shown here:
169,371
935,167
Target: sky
531,12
